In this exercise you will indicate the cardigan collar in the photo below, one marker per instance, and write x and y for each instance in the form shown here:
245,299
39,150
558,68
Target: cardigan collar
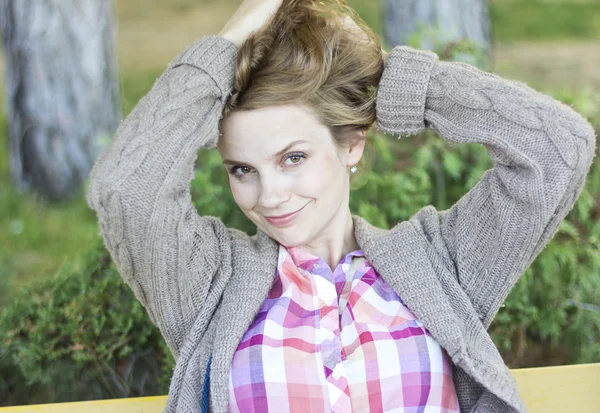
399,257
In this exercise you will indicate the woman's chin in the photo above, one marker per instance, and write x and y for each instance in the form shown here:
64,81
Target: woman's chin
288,237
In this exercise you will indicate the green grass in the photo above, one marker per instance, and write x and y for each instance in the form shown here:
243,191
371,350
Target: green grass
37,238
515,20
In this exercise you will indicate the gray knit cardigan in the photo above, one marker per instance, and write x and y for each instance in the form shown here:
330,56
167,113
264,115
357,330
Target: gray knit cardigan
202,283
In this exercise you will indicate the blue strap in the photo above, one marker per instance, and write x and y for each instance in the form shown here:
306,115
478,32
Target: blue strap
204,402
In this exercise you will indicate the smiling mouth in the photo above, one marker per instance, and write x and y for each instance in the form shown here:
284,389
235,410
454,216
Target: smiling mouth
284,219
283,216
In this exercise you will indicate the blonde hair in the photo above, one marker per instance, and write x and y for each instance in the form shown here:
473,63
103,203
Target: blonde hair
308,54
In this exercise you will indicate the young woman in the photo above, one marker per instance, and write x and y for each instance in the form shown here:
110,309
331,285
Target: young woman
321,311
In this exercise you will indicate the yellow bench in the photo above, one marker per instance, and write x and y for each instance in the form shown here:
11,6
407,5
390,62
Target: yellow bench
574,388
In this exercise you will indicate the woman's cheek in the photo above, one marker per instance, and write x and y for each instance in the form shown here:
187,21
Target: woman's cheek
242,194
316,177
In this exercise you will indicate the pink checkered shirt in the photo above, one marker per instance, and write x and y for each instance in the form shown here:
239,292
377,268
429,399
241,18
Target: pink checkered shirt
338,341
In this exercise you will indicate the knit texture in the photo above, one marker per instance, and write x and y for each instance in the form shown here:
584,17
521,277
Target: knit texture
202,283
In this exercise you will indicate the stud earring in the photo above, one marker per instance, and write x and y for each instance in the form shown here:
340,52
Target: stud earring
353,169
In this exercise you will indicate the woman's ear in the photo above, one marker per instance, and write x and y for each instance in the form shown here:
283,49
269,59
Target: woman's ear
357,148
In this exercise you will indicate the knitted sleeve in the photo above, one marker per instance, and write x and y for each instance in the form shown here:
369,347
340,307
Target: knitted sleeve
541,151
173,259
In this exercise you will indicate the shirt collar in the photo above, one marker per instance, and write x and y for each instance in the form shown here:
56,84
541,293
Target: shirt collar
306,260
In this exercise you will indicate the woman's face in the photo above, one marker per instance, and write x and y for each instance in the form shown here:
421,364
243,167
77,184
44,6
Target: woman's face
282,160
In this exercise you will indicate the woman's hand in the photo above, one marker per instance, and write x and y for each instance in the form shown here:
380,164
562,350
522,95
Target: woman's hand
249,18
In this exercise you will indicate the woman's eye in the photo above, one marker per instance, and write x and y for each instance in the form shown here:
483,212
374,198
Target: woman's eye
294,158
240,170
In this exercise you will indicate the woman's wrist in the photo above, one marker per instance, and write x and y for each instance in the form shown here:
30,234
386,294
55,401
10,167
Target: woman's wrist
231,36
251,16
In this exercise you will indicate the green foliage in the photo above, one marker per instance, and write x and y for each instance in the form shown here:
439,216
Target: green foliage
370,12
134,85
80,336
434,38
398,183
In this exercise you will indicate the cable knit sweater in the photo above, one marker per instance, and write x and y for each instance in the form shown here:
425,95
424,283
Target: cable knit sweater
202,283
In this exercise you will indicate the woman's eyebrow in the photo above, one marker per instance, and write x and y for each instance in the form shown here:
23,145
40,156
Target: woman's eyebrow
276,155
284,150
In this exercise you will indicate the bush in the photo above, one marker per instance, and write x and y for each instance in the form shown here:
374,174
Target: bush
80,336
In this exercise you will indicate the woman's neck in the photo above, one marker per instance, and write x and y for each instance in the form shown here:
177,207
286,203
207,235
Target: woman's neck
337,241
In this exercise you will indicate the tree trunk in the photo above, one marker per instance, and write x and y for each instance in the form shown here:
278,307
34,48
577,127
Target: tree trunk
61,90
409,22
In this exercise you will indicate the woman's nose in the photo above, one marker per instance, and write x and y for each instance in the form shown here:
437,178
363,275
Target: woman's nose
273,192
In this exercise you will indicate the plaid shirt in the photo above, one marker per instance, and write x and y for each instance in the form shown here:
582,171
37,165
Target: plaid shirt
338,341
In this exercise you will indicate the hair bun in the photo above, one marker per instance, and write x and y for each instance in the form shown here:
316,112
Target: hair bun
307,54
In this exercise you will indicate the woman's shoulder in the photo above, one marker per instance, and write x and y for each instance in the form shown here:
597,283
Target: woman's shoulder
244,244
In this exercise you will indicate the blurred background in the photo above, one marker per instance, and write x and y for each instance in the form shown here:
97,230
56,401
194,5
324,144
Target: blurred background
70,329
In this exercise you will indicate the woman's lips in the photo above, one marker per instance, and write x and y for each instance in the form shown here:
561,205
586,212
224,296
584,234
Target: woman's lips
283,219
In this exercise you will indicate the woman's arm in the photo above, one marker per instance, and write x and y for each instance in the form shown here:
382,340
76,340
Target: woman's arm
139,188
541,151
175,261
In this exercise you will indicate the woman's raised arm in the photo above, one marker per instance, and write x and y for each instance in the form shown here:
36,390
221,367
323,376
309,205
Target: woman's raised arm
541,151
139,188
174,260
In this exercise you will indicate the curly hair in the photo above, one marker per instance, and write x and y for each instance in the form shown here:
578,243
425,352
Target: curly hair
309,54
